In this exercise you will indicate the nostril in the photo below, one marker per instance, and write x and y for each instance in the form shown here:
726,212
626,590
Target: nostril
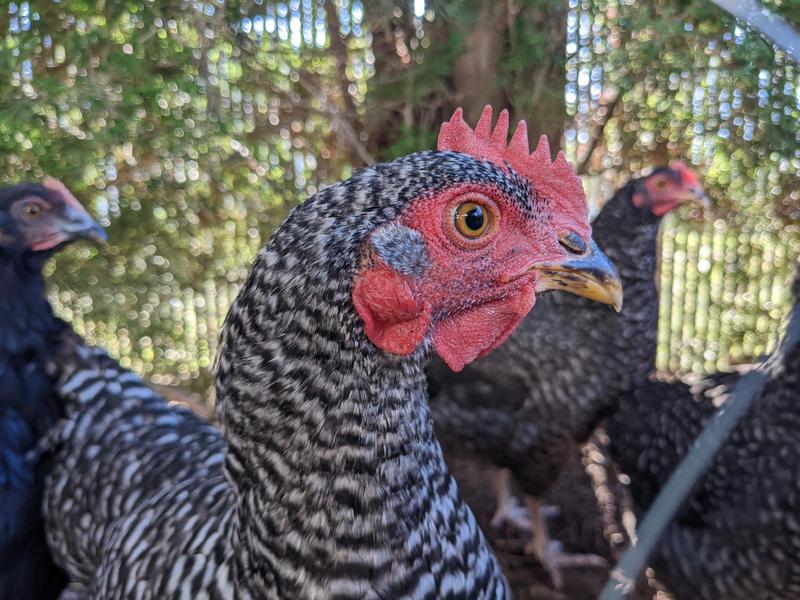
573,242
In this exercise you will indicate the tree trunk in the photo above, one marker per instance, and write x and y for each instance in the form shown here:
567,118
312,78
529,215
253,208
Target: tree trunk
476,80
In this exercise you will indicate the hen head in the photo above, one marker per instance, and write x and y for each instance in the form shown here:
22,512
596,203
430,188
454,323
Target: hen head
666,188
42,218
460,266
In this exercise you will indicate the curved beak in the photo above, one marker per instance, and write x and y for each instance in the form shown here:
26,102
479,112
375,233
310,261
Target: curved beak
699,197
591,275
78,224
75,223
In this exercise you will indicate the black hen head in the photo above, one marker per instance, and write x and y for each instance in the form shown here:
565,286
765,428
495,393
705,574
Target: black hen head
39,219
666,188
35,222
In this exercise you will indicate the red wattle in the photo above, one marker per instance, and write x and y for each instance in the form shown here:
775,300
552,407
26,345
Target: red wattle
472,333
47,244
393,319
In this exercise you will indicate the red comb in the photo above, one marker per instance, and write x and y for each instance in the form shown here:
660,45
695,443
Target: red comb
555,180
688,175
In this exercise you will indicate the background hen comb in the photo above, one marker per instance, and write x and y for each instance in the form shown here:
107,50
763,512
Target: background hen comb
555,180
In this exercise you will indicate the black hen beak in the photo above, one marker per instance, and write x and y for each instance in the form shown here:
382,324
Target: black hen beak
702,198
77,224
698,196
590,274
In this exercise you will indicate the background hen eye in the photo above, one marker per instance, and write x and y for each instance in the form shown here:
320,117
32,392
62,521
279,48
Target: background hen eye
472,219
32,210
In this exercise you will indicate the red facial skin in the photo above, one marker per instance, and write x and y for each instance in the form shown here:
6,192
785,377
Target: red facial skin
555,180
474,292
665,193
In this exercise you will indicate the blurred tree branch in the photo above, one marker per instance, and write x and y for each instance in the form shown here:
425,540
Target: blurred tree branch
597,136
347,120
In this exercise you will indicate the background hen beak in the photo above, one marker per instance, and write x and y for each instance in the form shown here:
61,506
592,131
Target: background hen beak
699,197
78,224
591,275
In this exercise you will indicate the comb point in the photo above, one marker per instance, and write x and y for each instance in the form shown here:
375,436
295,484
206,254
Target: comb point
519,141
500,134
484,127
542,152
57,186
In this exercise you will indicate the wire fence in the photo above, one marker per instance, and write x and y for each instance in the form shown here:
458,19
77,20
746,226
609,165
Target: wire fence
723,278
724,292
723,297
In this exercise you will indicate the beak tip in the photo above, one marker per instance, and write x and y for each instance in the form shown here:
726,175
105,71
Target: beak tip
592,276
99,236
93,233
615,295
701,199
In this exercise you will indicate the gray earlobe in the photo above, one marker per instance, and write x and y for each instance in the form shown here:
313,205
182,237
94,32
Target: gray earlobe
402,248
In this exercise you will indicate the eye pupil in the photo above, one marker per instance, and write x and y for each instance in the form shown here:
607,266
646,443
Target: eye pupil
32,210
474,218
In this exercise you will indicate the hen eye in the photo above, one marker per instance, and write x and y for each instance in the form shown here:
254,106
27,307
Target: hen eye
472,219
573,242
32,210
661,183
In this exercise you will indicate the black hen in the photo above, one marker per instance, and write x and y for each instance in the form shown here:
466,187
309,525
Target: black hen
527,405
739,534
35,222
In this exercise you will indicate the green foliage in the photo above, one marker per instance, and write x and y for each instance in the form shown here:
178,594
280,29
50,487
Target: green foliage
186,134
409,139
192,128
685,80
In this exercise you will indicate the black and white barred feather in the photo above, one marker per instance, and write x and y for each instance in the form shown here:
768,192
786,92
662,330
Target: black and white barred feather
333,485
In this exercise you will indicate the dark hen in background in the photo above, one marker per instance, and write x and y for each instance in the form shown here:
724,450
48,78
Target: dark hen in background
35,222
738,537
333,484
529,404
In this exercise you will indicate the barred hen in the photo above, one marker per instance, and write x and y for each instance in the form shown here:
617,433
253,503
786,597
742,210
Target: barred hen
529,404
35,222
333,484
738,536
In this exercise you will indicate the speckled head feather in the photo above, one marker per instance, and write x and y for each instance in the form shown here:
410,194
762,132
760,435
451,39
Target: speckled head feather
555,180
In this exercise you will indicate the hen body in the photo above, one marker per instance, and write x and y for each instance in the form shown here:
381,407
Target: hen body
335,487
28,407
739,534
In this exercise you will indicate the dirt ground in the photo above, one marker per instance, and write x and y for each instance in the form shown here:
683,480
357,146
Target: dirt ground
580,525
